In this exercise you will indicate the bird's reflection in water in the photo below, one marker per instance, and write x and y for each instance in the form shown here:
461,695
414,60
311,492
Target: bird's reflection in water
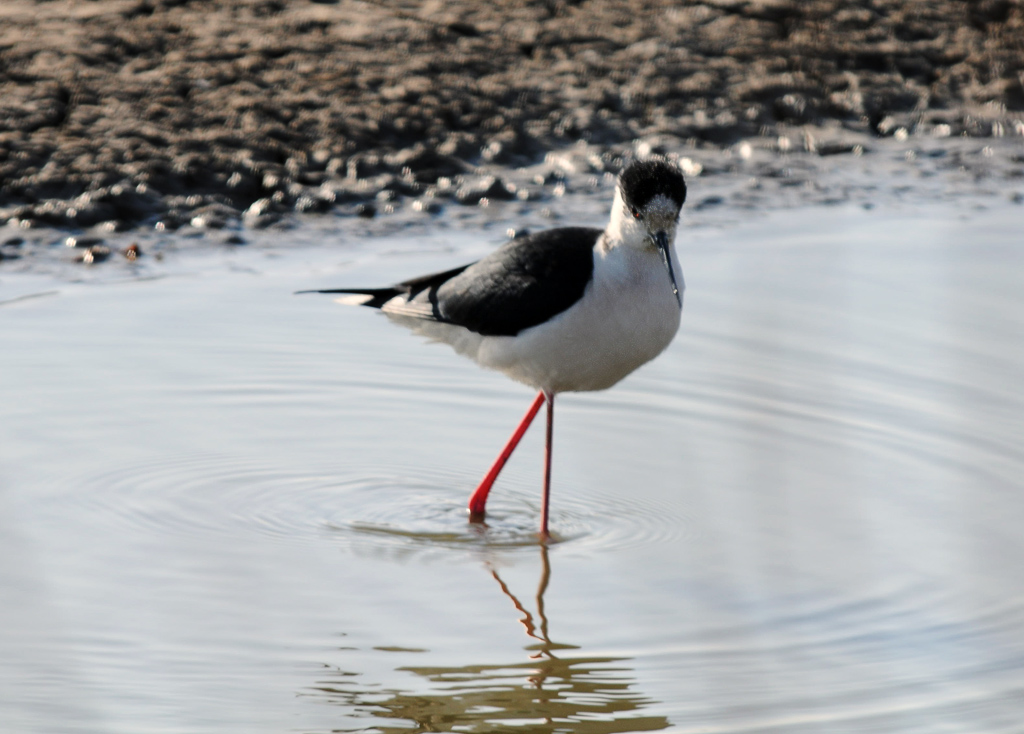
546,693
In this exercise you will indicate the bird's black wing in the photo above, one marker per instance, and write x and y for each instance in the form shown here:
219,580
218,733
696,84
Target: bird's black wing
523,283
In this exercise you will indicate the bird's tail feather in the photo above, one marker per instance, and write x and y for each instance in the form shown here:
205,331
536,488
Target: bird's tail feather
377,297
372,297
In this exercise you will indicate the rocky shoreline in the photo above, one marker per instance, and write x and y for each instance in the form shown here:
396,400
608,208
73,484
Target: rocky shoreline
120,114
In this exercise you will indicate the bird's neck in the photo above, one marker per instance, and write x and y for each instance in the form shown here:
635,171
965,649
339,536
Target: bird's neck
623,229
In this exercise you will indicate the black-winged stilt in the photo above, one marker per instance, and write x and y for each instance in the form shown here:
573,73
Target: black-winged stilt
564,310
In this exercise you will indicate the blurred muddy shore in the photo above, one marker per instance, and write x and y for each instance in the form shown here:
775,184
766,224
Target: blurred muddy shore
235,114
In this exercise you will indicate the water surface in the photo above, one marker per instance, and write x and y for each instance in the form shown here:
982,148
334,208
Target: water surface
227,508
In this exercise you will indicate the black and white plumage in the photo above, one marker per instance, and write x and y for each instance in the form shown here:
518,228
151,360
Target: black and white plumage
522,284
567,309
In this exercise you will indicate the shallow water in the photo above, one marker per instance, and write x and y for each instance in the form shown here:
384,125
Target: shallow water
227,508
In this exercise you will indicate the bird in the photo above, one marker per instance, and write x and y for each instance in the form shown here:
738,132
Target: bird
569,309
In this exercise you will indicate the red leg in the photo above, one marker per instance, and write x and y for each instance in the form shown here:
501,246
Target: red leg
478,502
547,468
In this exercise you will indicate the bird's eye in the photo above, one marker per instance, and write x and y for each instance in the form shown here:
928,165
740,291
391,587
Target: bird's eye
636,213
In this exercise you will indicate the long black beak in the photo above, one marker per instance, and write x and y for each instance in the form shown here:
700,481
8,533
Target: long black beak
661,240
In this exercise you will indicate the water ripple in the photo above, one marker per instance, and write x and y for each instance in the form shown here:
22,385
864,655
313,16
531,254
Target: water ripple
222,495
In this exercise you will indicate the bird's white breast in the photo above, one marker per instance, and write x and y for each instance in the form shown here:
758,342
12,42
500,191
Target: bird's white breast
626,317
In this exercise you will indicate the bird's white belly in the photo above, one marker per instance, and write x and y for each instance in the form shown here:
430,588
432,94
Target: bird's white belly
627,316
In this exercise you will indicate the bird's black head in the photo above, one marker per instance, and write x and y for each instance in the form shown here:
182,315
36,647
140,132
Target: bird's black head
641,181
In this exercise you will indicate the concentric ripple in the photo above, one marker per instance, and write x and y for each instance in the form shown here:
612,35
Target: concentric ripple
220,495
